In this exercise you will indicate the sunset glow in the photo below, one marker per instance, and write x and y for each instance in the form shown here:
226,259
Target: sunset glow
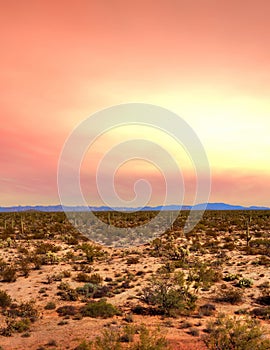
207,61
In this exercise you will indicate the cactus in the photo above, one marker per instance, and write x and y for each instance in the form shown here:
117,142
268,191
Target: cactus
245,283
22,226
248,235
109,218
9,242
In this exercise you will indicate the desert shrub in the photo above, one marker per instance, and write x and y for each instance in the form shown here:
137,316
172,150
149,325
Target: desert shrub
203,276
259,246
230,295
9,274
260,242
52,342
99,309
87,290
243,311
113,339
233,334
169,294
128,318
66,274
85,267
14,326
244,283
3,265
194,332
5,299
24,266
95,278
26,310
90,290
185,324
140,310
66,292
36,260
50,306
168,267
108,279
264,298
262,260
229,246
262,312
82,277
206,310
132,260
70,240
84,346
92,252
44,248
102,291
67,310
8,233
21,325
108,339
150,340
68,295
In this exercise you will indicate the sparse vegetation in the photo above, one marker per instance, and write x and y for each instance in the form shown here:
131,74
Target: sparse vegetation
114,339
99,309
170,294
194,274
228,333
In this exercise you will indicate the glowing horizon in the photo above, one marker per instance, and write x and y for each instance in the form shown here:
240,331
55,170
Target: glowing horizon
208,62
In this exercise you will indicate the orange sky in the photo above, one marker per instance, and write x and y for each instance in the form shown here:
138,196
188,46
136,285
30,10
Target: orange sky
208,61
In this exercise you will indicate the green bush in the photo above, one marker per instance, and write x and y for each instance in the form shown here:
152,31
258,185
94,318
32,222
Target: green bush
234,334
92,252
26,310
204,276
169,294
67,310
99,309
66,292
15,326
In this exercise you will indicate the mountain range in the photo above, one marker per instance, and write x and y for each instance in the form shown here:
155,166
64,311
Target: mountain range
59,208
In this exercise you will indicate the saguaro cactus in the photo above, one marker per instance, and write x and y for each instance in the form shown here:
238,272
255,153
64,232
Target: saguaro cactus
248,234
22,226
109,219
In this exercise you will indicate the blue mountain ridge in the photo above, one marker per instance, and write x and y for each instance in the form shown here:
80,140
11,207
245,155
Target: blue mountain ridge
59,208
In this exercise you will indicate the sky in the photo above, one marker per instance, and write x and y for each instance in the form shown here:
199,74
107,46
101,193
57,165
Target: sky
207,61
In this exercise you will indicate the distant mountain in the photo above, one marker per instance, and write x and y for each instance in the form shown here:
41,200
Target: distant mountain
59,208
